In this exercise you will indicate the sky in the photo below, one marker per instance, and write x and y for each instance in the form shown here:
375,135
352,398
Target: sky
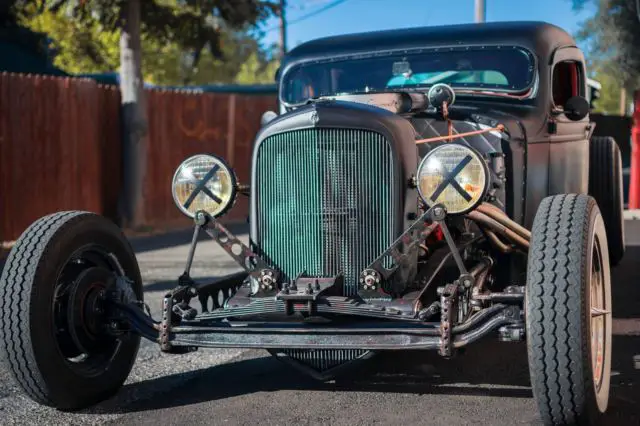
352,16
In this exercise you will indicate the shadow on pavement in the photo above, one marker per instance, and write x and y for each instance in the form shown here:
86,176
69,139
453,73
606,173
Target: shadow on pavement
488,369
474,374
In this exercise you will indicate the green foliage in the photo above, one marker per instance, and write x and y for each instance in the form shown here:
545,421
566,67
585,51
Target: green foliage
613,36
609,102
183,42
257,70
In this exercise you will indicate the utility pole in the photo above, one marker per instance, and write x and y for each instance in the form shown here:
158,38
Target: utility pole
133,115
481,11
283,28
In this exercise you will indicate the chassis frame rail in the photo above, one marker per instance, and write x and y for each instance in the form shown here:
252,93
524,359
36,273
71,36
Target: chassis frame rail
381,335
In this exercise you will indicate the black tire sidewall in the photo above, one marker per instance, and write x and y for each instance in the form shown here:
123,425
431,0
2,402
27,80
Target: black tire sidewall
577,345
606,164
65,387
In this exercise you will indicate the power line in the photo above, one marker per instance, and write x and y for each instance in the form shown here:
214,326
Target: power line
309,15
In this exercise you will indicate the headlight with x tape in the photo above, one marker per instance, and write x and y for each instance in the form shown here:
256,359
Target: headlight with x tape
204,182
453,175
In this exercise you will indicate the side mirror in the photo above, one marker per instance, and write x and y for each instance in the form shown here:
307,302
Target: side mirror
576,108
267,117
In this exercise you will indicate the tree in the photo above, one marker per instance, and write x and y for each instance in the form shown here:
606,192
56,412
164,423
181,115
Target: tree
613,36
609,101
91,49
257,70
194,24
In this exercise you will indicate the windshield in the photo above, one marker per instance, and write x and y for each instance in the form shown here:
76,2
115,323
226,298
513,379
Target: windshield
507,69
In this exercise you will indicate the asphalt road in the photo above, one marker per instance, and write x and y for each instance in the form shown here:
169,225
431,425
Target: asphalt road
488,384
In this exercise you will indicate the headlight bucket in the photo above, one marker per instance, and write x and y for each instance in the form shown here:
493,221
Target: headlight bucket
204,182
453,175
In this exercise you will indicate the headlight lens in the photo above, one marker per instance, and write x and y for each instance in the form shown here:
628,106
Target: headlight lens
452,175
204,182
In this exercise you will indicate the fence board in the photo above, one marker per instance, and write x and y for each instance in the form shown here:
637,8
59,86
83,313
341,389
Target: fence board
180,125
51,146
61,146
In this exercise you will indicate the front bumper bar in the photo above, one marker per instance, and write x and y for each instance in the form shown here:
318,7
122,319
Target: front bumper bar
371,335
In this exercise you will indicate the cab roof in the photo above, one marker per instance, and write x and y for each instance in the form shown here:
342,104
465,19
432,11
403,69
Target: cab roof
541,38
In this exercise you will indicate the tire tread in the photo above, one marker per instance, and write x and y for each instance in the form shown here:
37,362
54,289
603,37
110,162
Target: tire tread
15,293
555,332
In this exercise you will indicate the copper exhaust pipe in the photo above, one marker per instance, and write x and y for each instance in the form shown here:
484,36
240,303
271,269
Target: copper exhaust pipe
499,228
498,215
498,242
484,265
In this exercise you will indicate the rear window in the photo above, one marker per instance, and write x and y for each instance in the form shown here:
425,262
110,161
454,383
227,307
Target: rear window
508,69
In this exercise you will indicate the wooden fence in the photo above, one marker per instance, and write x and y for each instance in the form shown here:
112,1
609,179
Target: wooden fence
60,146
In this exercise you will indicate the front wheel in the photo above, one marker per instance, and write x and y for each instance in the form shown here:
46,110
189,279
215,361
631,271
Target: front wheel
568,311
52,324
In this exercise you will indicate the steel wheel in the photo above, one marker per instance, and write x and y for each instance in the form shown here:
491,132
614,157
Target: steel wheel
78,311
600,321
53,327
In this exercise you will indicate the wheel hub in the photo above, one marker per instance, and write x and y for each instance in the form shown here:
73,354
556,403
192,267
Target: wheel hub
85,310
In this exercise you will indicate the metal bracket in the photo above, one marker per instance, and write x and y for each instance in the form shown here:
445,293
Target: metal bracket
448,300
171,311
418,232
306,289
267,277
439,217
165,324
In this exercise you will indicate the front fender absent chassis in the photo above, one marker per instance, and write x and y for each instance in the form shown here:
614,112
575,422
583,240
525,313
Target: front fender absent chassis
258,291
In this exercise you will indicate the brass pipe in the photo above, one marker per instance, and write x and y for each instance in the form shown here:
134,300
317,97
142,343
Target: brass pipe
494,225
484,265
499,228
498,215
497,241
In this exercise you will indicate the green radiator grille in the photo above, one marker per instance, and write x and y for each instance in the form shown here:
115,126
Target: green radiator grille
325,201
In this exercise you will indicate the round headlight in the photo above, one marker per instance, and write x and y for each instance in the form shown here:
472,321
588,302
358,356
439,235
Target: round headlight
452,175
204,182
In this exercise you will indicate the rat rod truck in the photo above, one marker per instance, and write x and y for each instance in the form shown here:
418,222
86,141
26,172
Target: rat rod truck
419,189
